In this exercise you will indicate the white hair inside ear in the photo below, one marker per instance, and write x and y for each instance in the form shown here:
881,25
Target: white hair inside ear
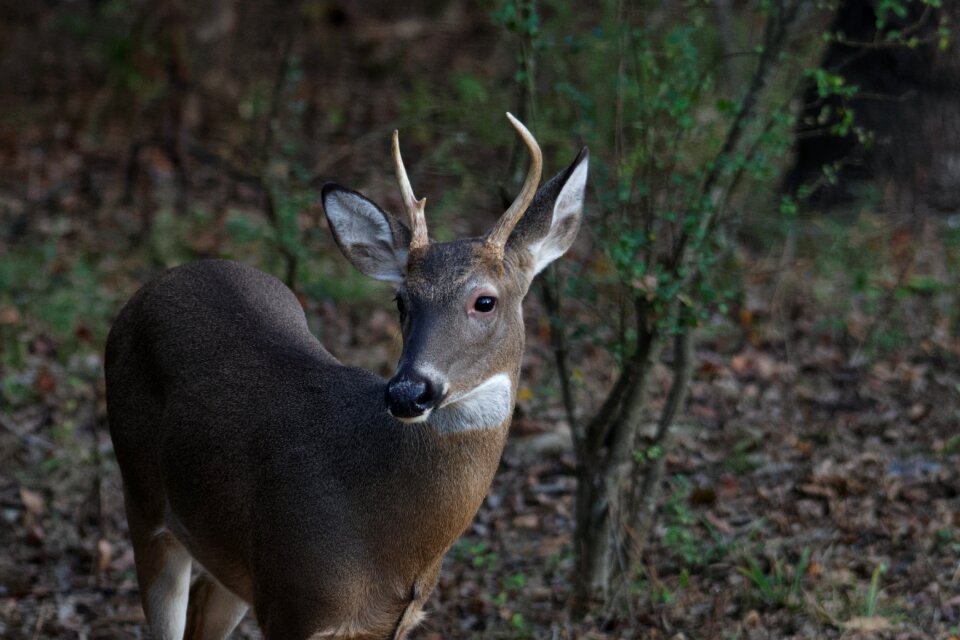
364,235
565,223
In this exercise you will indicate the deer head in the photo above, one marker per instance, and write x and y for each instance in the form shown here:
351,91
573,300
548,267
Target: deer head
460,301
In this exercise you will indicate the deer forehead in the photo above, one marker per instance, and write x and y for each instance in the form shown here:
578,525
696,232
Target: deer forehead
447,270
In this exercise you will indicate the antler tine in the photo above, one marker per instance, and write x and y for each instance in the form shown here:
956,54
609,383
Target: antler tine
501,231
413,207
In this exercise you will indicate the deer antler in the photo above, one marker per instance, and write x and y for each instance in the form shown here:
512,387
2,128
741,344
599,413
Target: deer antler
497,238
413,207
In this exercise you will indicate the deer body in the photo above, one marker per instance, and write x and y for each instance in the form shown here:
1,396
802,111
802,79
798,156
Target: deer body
320,494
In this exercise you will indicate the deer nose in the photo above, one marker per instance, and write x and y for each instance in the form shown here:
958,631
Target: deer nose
410,395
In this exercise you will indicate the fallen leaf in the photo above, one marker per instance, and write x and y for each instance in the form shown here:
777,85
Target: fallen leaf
83,333
703,496
804,447
45,382
36,536
918,412
33,502
741,364
9,315
526,521
104,554
817,491
867,623
719,523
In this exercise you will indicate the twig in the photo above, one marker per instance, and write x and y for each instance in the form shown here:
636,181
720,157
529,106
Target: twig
727,38
649,494
620,442
41,618
28,439
682,372
558,341
270,126
907,31
778,26
213,159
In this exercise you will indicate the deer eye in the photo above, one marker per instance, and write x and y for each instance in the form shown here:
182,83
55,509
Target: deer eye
400,306
484,304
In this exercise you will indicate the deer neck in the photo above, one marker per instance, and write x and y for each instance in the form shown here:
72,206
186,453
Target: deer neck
442,494
457,452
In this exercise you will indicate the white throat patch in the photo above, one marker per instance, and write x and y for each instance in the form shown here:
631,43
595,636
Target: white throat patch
486,406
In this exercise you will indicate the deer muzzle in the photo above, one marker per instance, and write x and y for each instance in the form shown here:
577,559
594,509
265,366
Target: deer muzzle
411,396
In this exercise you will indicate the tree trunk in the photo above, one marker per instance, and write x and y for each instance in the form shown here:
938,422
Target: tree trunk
649,469
906,98
619,471
605,459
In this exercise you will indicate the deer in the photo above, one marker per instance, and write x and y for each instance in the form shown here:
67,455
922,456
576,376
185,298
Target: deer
319,494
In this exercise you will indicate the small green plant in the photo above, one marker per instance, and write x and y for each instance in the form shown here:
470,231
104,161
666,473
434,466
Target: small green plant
951,446
781,586
56,295
870,607
740,462
679,537
655,591
662,595
693,542
15,391
521,628
476,553
515,582
510,594
947,540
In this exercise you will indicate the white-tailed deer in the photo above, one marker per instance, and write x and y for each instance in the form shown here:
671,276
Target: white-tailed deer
319,494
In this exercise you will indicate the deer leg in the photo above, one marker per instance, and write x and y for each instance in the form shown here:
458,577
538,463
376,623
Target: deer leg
163,572
214,610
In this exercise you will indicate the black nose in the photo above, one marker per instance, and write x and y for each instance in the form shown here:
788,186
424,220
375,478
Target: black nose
410,394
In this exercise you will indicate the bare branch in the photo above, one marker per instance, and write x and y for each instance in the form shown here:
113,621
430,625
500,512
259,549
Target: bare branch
558,341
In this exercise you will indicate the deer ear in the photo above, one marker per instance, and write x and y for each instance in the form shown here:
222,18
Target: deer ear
373,241
550,224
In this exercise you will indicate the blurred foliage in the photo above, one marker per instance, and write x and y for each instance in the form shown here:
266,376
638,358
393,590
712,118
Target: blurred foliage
651,97
66,297
652,104
656,125
680,159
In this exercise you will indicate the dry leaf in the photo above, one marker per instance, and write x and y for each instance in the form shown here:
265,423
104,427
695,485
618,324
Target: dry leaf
32,501
9,315
867,623
104,554
526,521
719,523
45,382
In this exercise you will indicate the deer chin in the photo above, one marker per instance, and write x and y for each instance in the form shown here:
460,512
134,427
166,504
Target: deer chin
423,417
485,406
